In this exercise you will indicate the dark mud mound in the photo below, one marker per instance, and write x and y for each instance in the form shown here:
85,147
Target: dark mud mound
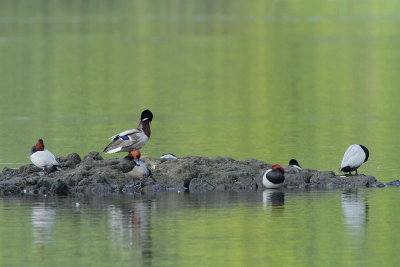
94,175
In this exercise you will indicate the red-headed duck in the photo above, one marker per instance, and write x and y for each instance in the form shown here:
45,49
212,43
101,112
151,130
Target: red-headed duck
140,170
274,177
41,157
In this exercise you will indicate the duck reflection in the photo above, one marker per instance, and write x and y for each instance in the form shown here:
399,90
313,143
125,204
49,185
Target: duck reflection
119,226
355,211
273,198
130,226
43,219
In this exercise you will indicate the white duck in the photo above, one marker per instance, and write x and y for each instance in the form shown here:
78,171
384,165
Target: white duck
41,157
354,157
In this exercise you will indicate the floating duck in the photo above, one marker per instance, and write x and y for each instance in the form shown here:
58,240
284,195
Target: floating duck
41,157
274,177
134,138
353,158
140,169
294,163
168,156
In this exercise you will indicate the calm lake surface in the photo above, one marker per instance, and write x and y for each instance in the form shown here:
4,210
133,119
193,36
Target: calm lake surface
270,228
271,80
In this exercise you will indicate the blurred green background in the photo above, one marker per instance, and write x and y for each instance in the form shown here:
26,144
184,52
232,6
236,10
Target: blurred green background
270,80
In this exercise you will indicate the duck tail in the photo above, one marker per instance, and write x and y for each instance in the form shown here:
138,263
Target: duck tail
113,147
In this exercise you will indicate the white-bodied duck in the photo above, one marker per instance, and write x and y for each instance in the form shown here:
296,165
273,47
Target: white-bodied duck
353,158
42,158
134,138
274,177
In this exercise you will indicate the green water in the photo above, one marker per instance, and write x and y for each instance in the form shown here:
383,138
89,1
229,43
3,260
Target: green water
270,228
270,80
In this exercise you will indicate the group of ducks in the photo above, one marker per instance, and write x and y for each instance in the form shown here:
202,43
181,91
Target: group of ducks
127,141
133,140
353,158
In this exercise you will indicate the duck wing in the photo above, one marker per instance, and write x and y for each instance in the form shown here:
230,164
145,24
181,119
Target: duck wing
127,132
124,143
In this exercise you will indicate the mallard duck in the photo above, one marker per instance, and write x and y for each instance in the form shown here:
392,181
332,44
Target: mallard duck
134,138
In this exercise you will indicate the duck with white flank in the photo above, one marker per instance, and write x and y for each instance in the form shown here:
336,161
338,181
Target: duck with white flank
274,177
294,163
42,158
353,158
134,138
140,169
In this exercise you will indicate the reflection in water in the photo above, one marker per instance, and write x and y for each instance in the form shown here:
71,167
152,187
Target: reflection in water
179,229
273,198
130,227
43,219
122,233
355,212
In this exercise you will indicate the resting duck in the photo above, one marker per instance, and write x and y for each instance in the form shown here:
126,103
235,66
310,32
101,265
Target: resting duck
41,157
134,138
139,169
168,156
274,177
295,164
353,158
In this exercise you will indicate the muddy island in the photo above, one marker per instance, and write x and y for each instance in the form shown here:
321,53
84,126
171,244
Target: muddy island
95,175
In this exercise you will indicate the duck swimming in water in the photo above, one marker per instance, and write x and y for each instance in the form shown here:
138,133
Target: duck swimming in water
274,177
353,158
42,158
134,138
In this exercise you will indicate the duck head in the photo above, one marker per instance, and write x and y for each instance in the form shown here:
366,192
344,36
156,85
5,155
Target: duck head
39,145
278,167
146,115
135,155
